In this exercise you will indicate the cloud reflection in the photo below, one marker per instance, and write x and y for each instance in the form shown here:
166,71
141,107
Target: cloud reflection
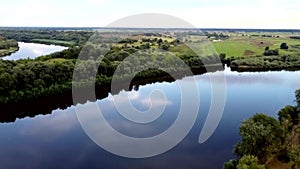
50,127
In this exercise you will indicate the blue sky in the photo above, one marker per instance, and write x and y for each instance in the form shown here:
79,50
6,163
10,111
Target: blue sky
200,13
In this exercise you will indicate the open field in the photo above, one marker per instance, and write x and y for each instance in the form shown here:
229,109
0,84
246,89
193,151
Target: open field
56,42
250,46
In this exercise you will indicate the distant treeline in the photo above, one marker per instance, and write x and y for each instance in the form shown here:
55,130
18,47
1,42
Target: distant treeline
295,37
265,63
76,37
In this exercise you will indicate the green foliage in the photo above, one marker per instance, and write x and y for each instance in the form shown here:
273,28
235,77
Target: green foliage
222,57
297,94
7,46
232,164
294,156
265,63
128,40
284,46
261,137
267,48
264,139
47,36
165,46
249,162
19,77
271,52
288,117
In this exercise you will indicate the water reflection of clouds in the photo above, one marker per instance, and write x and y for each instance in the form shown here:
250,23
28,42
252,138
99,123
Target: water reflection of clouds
123,96
38,51
52,127
138,100
282,77
41,141
142,102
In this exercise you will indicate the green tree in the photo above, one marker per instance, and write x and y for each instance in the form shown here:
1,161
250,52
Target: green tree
294,156
261,136
288,116
232,164
267,48
271,52
297,94
222,57
249,162
165,46
284,46
159,41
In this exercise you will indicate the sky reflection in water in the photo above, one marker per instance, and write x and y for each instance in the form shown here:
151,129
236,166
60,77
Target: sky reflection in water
58,141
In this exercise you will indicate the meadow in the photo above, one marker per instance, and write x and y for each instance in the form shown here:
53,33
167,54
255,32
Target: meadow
56,42
240,44
253,45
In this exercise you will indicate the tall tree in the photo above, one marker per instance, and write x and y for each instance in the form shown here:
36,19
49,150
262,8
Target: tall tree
261,136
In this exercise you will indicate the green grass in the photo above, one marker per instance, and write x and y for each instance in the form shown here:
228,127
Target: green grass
204,49
236,47
56,42
181,49
245,46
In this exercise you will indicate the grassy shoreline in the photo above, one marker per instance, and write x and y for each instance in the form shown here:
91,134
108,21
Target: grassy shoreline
265,63
7,52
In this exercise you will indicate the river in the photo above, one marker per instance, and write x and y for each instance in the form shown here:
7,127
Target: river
33,50
57,140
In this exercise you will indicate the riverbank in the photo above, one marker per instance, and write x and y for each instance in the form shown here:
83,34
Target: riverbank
267,91
7,52
30,50
7,46
24,103
265,63
67,38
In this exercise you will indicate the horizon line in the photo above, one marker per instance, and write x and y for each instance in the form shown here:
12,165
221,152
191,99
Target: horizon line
101,27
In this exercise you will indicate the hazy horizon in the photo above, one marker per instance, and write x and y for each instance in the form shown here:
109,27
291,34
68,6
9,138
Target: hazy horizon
95,27
230,14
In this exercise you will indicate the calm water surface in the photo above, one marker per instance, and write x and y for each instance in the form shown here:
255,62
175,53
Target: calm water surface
58,141
33,50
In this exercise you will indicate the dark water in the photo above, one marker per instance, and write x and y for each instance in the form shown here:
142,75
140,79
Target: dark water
33,50
58,141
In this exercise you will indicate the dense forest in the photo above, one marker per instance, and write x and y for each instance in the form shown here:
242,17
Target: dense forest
7,46
269,143
29,79
48,36
265,63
